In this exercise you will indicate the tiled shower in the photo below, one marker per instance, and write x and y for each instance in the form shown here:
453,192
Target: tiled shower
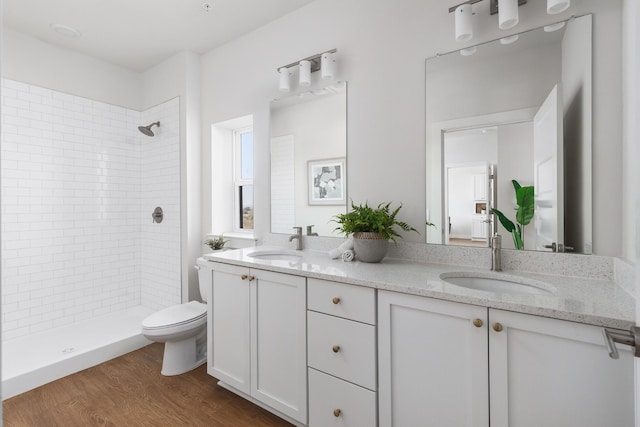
79,184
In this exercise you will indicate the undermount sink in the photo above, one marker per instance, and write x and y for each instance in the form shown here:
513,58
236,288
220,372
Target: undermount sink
497,282
276,255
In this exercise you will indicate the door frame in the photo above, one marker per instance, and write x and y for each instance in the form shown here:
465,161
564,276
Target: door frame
435,156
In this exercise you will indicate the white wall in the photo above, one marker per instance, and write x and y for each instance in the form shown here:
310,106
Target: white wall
631,180
222,179
179,76
29,60
381,51
577,99
471,146
631,153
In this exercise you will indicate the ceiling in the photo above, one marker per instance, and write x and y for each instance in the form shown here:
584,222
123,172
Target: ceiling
138,34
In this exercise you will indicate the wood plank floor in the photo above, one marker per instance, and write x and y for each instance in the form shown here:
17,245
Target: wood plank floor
130,391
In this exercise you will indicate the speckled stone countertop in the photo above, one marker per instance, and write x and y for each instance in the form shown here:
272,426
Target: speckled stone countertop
592,301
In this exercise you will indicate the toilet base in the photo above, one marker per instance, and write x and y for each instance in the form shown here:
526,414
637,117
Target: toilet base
182,356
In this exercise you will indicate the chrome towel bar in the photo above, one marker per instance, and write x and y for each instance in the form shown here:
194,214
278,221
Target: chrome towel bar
630,338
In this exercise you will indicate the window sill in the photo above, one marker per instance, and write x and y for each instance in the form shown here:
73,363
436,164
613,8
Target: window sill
237,240
236,235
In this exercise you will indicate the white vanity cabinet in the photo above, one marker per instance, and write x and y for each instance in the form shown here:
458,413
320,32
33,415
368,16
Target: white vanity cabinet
341,354
446,364
433,362
257,336
547,372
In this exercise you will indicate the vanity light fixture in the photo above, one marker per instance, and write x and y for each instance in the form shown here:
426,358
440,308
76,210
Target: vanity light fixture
323,61
327,66
464,23
284,85
305,73
557,6
507,11
508,14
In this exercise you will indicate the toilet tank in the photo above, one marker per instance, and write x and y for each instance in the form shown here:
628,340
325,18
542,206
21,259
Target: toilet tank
205,277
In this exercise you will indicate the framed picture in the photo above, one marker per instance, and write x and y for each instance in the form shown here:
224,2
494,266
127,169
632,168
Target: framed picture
327,181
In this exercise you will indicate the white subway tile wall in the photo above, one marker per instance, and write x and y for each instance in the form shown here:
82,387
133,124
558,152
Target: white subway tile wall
76,177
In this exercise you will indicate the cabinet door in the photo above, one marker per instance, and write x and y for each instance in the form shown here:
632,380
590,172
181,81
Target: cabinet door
480,187
546,372
432,362
278,343
228,356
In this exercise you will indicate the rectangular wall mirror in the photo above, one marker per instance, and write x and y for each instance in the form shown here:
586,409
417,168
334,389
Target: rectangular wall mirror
309,160
518,108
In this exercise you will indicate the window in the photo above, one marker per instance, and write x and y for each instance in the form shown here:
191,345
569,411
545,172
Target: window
232,187
243,179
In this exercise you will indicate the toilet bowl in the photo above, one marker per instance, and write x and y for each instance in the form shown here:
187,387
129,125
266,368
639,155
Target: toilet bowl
182,328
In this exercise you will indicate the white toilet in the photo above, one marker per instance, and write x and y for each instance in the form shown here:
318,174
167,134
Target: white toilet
183,328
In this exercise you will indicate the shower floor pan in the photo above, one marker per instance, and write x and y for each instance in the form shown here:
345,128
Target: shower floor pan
40,358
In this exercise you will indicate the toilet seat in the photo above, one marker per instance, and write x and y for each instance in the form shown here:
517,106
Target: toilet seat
176,315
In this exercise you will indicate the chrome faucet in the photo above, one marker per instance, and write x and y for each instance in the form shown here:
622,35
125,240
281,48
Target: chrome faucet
496,256
297,235
310,231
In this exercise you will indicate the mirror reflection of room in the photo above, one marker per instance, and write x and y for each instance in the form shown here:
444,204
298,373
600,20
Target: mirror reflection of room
523,106
472,159
309,136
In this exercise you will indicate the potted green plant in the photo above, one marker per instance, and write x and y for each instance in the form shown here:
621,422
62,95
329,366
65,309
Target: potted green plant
372,228
526,202
216,244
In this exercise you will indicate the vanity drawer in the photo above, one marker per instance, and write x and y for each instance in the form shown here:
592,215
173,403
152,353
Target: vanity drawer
342,348
333,402
338,299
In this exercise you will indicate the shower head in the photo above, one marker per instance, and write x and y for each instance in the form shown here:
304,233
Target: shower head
147,129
